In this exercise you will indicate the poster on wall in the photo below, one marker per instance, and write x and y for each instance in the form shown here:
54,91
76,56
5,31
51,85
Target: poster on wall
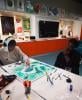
26,24
10,4
20,5
18,24
18,19
19,29
7,25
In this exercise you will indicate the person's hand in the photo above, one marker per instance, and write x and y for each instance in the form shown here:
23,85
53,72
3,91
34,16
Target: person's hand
27,63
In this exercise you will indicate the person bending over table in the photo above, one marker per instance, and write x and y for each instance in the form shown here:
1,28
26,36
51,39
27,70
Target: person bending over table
10,53
69,58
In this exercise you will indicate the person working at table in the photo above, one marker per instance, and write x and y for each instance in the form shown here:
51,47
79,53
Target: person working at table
10,53
69,58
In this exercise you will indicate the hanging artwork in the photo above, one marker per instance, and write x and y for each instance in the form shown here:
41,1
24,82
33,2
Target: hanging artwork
18,24
19,30
2,3
26,24
37,7
44,9
10,4
7,25
20,5
18,19
62,13
29,7
53,11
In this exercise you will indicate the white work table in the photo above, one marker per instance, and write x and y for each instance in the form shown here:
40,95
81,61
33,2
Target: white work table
60,88
44,90
17,90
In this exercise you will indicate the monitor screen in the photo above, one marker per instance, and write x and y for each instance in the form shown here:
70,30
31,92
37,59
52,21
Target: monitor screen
48,29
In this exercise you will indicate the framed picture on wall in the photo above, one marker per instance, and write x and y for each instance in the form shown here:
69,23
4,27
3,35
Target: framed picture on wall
2,3
7,25
26,24
20,5
10,4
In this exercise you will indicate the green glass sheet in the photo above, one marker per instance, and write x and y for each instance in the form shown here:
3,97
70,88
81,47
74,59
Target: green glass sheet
35,71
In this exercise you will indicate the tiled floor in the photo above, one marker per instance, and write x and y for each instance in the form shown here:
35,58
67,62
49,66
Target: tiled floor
50,58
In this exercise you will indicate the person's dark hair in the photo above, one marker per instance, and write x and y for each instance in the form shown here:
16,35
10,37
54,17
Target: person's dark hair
74,42
12,43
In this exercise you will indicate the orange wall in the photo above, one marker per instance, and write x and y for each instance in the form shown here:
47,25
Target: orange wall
81,34
43,46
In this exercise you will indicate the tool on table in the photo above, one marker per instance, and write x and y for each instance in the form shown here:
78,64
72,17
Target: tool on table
39,95
59,76
8,92
3,69
49,79
65,76
0,95
68,79
7,98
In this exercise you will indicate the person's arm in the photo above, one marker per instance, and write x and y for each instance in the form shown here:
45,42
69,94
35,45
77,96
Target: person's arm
1,63
80,58
60,62
23,56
